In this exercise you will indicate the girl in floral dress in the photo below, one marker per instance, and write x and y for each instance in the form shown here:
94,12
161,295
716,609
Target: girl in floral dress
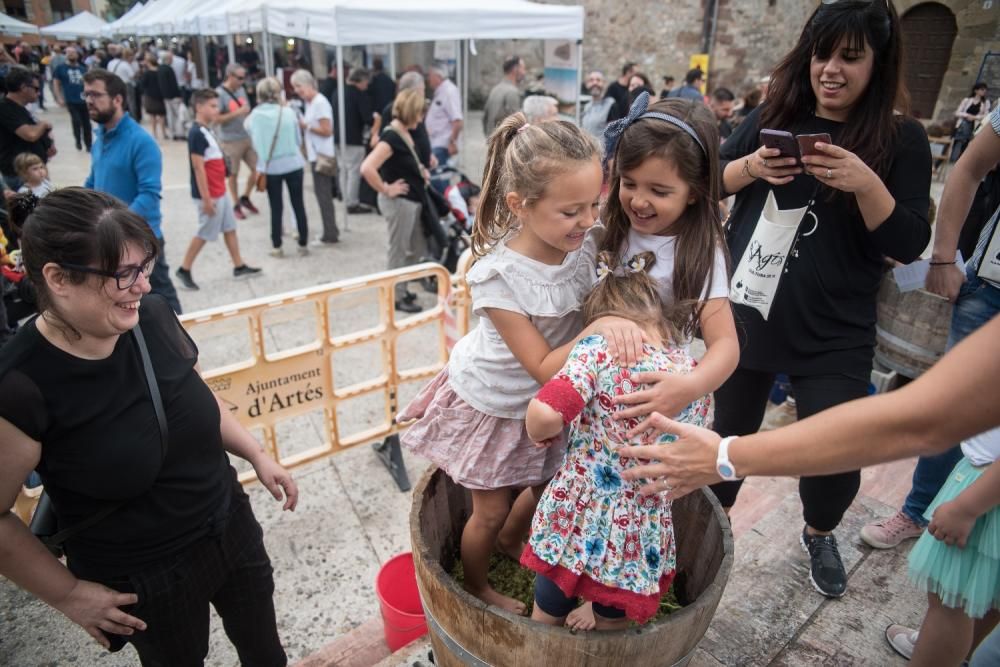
593,535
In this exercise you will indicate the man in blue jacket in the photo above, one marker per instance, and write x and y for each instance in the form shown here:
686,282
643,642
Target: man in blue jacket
126,163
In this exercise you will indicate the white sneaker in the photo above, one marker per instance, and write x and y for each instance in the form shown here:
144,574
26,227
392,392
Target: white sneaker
902,639
277,252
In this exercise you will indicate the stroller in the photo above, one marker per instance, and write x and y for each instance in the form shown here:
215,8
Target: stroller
462,197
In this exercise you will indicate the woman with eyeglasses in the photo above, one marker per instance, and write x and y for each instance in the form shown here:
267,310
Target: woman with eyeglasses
808,237
163,526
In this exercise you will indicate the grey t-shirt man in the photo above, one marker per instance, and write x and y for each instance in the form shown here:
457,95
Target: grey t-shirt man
230,101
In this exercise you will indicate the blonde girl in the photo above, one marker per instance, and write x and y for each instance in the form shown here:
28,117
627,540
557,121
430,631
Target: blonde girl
535,244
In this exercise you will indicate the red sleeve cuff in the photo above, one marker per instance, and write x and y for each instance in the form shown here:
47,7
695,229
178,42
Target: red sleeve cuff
560,395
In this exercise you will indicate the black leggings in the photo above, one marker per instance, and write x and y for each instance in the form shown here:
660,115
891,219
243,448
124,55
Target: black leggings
550,599
739,410
293,180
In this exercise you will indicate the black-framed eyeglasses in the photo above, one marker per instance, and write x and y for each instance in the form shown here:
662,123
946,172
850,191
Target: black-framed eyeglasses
125,278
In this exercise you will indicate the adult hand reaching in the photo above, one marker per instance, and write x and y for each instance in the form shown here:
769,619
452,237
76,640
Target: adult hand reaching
95,608
276,479
945,280
667,394
764,163
681,466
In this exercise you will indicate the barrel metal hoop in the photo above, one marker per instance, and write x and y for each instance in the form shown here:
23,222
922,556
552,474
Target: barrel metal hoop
460,651
919,352
463,654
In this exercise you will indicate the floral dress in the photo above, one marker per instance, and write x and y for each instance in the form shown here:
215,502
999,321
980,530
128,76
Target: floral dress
593,534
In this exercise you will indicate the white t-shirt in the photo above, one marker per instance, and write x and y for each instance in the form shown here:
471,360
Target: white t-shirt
983,449
663,270
316,110
123,69
446,108
482,370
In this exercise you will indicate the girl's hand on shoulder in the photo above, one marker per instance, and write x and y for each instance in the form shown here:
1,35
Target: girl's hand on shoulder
276,479
625,338
765,164
841,169
668,394
952,523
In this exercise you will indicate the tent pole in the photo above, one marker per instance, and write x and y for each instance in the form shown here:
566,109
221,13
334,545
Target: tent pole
579,76
463,81
231,47
203,54
265,38
392,61
342,130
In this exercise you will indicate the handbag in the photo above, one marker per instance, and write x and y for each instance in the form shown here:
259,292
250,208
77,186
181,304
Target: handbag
261,176
326,165
44,524
758,274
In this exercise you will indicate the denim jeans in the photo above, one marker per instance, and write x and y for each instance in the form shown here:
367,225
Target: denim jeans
977,303
441,153
159,279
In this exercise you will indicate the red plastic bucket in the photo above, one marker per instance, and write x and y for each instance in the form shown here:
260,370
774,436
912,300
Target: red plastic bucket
402,613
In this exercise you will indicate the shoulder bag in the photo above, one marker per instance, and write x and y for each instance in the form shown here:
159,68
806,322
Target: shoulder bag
433,204
261,176
43,523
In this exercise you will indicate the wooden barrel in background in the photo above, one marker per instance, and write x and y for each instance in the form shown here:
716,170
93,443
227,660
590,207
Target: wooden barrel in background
912,328
465,631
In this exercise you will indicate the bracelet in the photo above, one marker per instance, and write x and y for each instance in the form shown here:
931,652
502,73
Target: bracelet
746,169
941,263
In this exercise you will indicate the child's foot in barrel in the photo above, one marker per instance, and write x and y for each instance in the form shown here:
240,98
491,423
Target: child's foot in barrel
582,618
490,596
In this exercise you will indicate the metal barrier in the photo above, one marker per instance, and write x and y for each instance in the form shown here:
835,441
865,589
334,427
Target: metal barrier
269,388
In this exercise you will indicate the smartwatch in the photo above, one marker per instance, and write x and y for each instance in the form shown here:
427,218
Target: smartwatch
723,465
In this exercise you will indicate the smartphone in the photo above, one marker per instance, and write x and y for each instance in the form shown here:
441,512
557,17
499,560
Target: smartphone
807,142
783,141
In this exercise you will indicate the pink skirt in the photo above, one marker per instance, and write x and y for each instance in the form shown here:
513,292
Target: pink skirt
476,450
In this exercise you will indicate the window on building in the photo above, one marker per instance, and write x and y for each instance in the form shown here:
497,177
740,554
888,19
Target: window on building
15,8
61,10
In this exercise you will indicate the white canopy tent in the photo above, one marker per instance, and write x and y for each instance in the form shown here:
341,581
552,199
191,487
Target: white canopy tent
11,26
83,24
112,28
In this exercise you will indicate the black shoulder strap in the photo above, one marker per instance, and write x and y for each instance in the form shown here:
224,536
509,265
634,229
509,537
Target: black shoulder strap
161,419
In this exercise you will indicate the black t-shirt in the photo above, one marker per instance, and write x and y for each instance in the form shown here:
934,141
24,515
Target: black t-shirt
381,90
357,115
13,116
421,140
401,165
620,93
101,444
151,84
168,82
725,129
822,320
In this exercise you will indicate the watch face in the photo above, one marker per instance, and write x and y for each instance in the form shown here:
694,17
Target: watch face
725,471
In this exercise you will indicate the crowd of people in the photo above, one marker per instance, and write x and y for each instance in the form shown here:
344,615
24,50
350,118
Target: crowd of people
601,250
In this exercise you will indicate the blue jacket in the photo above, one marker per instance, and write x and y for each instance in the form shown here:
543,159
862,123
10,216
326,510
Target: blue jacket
126,162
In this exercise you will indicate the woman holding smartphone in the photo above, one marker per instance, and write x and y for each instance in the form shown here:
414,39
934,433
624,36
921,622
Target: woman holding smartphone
865,196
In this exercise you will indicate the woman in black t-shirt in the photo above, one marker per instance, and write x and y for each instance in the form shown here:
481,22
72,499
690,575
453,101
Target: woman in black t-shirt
76,407
868,197
395,173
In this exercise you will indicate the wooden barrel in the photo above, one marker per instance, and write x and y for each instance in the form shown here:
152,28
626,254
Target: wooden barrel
912,328
466,631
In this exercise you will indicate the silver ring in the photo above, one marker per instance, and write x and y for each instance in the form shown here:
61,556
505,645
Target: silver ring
829,173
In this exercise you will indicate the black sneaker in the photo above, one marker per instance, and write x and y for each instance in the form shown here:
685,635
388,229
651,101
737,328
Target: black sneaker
359,209
244,271
826,569
408,307
187,282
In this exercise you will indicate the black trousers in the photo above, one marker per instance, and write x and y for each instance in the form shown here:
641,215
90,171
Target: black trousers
232,572
81,124
739,410
293,181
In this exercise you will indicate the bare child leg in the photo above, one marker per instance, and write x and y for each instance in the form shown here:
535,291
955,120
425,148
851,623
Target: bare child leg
197,243
538,615
233,246
582,618
514,533
945,635
489,510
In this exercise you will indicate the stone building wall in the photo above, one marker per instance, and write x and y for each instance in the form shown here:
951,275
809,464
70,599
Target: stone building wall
751,37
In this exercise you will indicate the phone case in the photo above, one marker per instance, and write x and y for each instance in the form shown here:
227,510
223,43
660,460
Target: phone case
807,142
783,141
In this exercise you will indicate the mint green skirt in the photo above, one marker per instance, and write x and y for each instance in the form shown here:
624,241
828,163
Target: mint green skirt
966,578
